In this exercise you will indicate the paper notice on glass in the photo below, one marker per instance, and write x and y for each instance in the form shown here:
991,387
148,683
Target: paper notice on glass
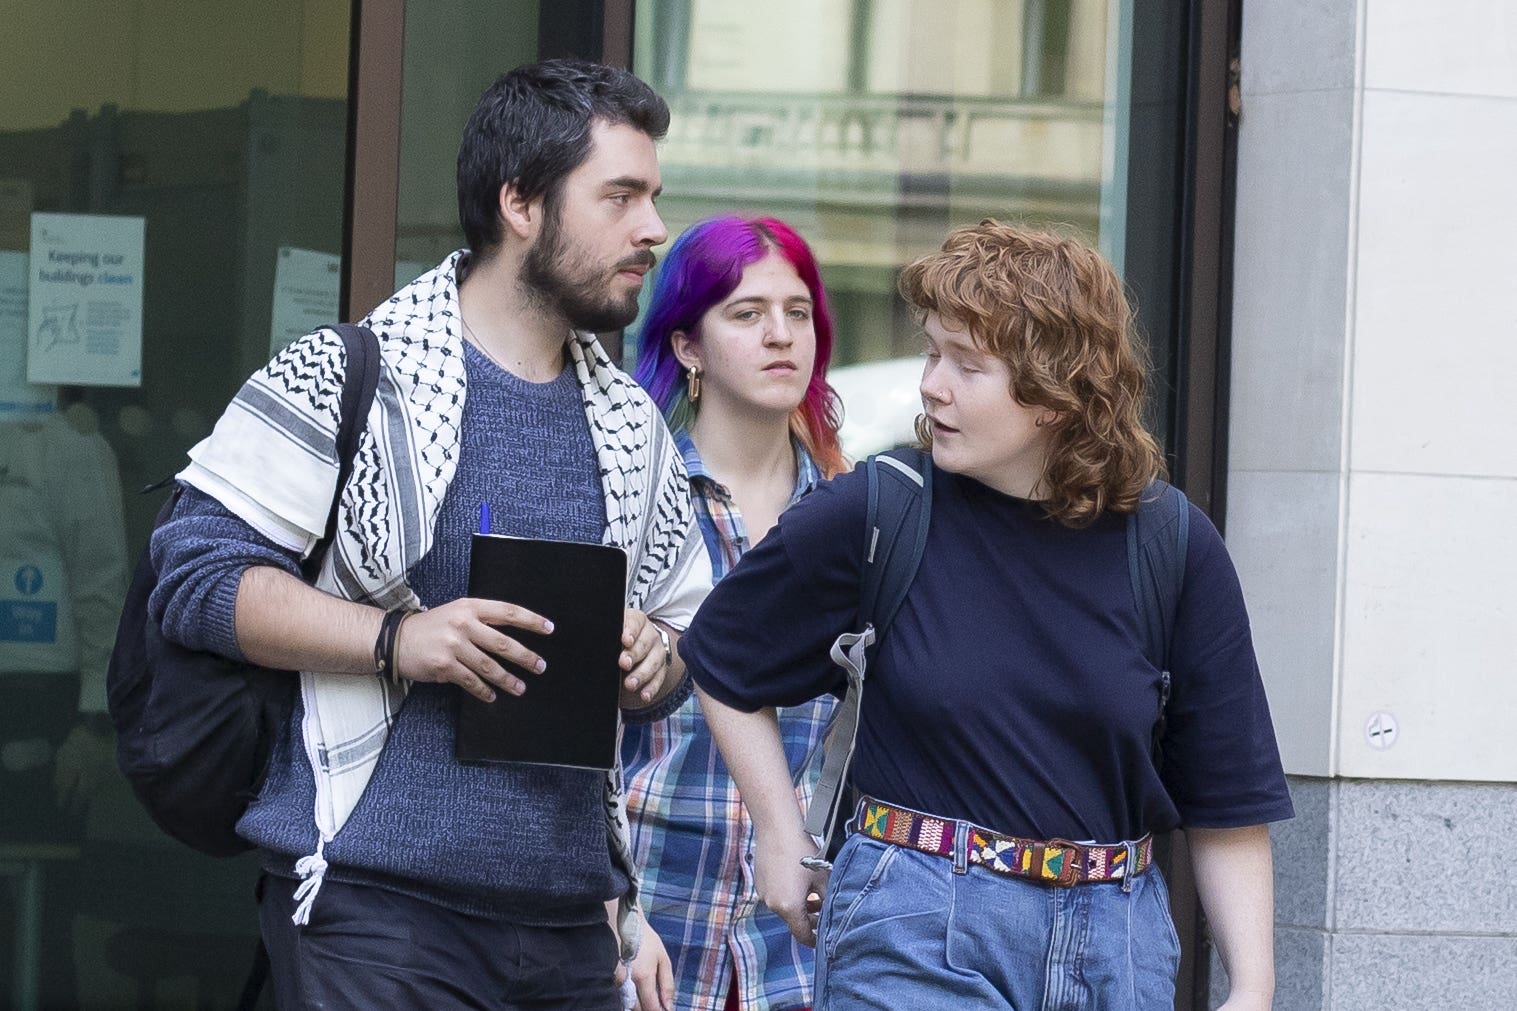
85,317
17,396
15,214
306,288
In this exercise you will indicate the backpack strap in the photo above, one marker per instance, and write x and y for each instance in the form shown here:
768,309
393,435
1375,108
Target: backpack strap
900,508
359,382
1158,532
895,535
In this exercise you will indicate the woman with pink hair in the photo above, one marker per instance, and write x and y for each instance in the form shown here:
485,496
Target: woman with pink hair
734,350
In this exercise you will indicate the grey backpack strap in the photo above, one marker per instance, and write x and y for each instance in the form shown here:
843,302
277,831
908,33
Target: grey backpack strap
848,653
899,509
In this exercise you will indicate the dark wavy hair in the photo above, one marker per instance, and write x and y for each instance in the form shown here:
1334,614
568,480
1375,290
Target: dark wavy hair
531,128
1054,311
704,266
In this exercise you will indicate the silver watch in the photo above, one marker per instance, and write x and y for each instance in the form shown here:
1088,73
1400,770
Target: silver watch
663,637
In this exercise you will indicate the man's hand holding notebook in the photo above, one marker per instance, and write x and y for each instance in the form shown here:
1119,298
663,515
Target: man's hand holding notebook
568,713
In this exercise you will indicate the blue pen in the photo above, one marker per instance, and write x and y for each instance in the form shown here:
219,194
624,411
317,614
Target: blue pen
484,517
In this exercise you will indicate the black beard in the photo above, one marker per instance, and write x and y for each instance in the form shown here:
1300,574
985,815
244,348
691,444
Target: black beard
579,297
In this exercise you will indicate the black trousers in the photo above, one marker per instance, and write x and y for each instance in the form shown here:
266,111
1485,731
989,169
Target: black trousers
371,948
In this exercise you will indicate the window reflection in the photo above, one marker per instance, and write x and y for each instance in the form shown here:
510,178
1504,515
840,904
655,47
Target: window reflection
221,127
475,43
875,125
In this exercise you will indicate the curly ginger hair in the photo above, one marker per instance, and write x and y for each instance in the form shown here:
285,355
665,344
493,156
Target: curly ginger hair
1054,311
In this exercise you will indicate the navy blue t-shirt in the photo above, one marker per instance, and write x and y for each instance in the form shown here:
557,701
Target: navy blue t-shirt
1011,690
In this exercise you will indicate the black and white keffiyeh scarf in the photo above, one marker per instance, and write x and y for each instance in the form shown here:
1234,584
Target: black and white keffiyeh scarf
272,460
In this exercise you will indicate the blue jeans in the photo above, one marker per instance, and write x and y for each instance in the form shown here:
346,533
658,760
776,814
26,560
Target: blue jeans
900,929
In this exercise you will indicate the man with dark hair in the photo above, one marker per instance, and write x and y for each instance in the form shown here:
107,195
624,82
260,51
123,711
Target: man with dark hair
533,126
421,881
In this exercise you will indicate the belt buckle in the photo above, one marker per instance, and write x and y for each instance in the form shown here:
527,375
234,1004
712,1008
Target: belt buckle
1070,872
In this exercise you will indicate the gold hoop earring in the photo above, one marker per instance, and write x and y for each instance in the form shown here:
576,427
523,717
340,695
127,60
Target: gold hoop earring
693,379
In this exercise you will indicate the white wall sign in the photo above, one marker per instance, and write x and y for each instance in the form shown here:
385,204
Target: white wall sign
36,623
85,317
306,288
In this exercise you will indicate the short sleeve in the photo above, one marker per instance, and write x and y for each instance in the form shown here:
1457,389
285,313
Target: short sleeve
1221,763
762,637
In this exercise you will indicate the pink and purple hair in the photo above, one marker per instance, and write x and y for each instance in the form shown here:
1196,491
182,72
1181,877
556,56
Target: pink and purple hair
704,266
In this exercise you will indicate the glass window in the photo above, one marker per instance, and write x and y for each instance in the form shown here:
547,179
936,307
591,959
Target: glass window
874,126
452,53
171,208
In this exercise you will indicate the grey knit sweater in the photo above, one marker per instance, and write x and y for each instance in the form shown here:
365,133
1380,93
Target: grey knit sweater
516,842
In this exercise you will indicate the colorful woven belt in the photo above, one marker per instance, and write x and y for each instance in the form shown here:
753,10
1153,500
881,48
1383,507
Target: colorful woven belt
1053,862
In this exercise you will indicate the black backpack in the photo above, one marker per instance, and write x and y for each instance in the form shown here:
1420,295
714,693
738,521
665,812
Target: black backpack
899,511
194,730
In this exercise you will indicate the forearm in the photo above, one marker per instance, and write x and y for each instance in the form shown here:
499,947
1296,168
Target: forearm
784,875
225,588
282,622
755,755
1235,880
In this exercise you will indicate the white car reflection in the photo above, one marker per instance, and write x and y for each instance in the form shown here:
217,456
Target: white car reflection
880,404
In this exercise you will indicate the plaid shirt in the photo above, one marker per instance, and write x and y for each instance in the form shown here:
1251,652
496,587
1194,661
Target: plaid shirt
690,832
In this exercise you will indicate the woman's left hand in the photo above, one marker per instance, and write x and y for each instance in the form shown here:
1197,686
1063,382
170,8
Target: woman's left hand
792,891
652,975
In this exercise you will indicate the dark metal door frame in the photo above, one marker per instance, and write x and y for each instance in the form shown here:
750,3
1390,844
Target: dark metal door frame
1203,360
373,170
1205,276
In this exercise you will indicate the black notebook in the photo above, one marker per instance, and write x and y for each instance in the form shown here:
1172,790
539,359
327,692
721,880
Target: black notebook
567,715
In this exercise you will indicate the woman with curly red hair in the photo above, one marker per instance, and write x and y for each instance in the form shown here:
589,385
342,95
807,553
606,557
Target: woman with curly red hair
1010,712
